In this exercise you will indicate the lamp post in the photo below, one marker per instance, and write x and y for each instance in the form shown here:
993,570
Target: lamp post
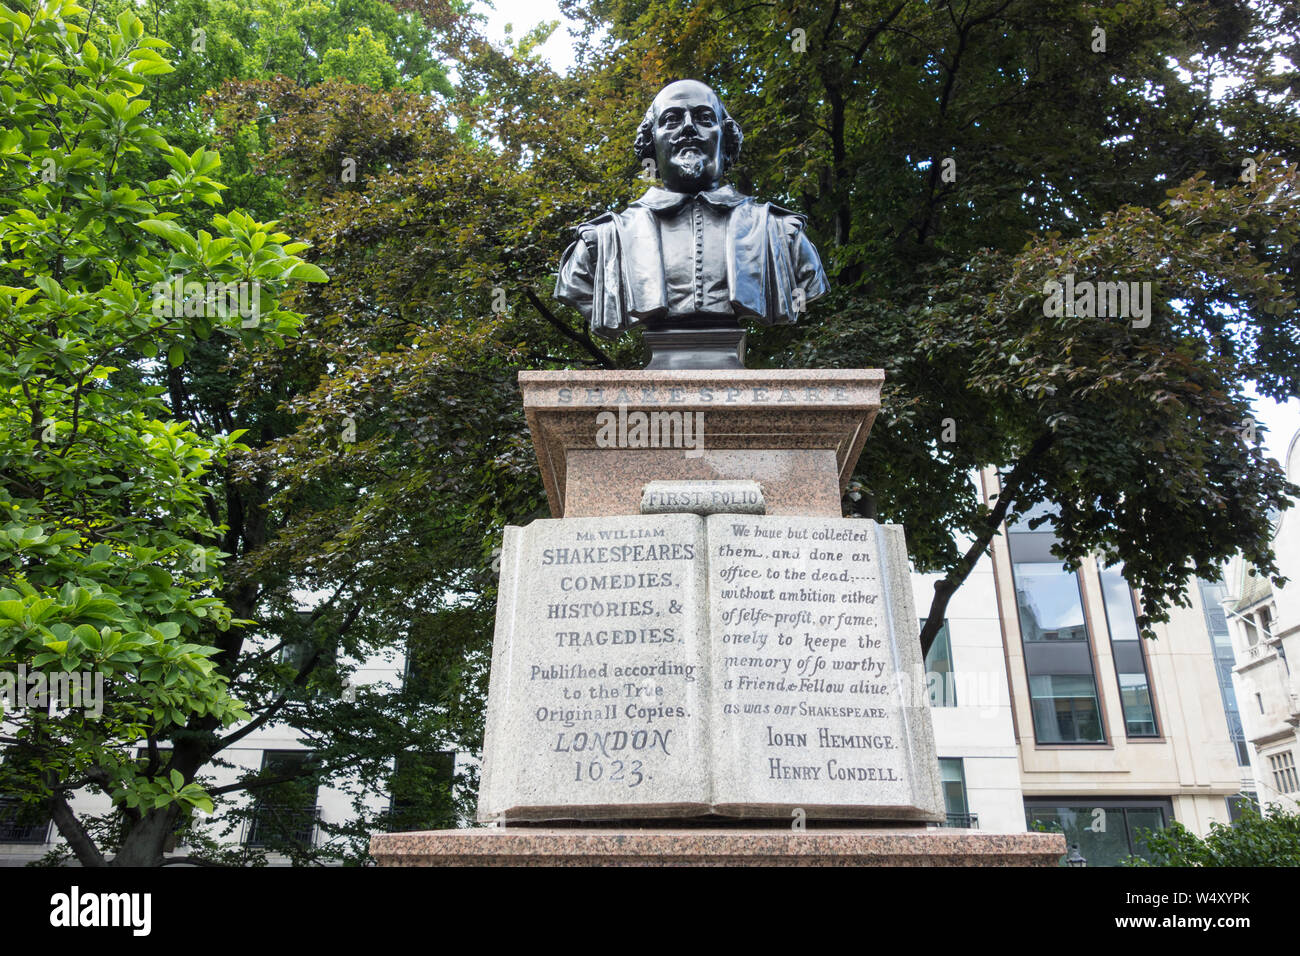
1074,858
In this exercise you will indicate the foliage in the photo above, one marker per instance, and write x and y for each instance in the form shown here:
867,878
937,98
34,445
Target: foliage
108,546
1252,840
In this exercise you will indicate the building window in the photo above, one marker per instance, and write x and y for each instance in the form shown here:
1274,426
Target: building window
953,777
1265,623
422,791
1216,622
1252,635
285,814
1239,803
939,670
1107,831
423,682
22,822
1054,634
1284,775
1126,648
303,650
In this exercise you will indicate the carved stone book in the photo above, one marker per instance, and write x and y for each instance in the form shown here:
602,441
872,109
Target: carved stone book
675,665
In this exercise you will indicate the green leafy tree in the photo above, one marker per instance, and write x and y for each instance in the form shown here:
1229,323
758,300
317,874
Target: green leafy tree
1252,840
109,545
284,665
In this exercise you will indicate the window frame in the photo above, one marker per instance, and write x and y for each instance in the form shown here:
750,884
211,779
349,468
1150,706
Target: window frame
1087,642
1156,732
1108,804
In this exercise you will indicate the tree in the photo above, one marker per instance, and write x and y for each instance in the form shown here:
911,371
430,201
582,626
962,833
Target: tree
109,540
1251,840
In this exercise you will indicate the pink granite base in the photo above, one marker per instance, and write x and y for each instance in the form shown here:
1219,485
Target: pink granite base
526,846
797,432
610,481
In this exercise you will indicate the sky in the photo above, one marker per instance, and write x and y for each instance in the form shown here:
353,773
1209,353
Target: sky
1281,422
525,14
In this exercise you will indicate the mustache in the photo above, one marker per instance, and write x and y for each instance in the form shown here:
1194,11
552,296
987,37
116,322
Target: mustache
688,142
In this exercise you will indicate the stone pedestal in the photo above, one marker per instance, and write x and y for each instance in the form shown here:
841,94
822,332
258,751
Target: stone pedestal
716,847
797,433
662,656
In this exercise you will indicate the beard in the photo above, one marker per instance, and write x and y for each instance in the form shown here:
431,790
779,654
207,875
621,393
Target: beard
690,164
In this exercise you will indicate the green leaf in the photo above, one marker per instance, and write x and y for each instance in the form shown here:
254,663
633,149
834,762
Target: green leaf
306,272
172,233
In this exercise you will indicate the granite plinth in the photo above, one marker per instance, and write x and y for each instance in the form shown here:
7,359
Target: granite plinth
507,846
797,432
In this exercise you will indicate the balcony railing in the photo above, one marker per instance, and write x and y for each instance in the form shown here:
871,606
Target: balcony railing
962,821
273,824
16,824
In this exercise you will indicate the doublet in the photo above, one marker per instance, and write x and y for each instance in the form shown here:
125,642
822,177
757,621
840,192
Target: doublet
676,255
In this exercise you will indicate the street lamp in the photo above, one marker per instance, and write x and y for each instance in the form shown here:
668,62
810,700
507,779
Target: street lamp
1075,859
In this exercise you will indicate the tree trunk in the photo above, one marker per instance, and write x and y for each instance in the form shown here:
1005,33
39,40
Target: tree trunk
146,841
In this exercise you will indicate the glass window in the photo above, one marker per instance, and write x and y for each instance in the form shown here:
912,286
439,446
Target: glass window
1216,621
953,777
1054,634
1126,648
939,670
1065,708
1252,635
22,822
1106,831
1048,600
285,812
422,791
1265,622
1137,819
1237,804
1284,772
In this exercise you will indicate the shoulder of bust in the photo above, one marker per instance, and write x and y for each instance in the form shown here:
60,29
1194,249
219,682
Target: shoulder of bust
776,210
586,231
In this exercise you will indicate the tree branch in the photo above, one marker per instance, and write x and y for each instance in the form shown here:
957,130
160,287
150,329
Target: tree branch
582,339
945,588
70,829
278,704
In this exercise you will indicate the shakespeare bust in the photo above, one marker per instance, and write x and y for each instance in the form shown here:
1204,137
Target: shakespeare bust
692,260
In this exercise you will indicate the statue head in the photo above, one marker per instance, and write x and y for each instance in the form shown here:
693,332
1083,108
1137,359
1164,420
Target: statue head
689,135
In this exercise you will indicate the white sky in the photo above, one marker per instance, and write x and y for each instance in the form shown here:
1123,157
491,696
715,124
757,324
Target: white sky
1282,422
523,15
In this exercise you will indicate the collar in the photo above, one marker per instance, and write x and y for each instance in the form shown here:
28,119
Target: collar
663,200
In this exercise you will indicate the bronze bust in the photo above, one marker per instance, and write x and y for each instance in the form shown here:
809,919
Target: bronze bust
694,259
